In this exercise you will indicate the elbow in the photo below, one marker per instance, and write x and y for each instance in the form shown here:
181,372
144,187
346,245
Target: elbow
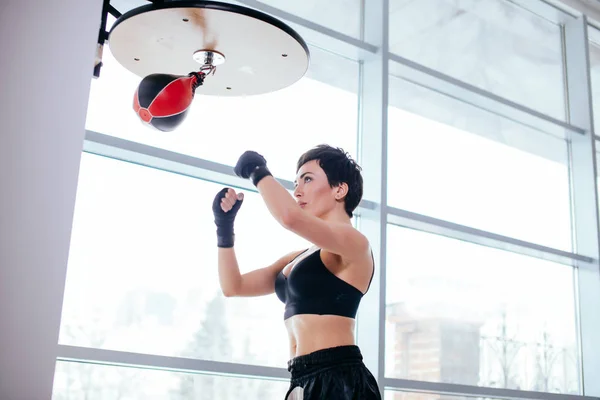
289,218
230,290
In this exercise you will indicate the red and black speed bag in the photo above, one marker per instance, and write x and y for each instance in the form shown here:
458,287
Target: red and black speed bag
162,100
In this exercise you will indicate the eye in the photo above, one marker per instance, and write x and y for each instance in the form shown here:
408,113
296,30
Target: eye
306,178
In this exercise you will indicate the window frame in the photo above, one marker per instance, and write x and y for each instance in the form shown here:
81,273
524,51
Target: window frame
374,214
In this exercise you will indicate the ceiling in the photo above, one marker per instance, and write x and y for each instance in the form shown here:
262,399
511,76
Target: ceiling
591,8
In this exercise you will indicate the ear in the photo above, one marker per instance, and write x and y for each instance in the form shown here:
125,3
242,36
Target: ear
341,191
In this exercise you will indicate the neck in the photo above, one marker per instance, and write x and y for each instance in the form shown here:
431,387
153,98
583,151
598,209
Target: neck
337,216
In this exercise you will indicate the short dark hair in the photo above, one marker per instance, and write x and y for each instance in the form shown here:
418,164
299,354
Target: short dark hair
339,168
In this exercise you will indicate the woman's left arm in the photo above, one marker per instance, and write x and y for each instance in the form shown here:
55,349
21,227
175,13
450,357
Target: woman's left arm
337,238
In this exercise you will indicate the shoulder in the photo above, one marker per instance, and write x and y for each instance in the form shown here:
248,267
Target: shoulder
357,245
359,241
339,238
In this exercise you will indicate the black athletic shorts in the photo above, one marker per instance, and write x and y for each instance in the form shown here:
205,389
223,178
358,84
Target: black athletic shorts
337,373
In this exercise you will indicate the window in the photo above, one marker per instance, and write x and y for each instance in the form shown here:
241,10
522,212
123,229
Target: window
594,55
101,382
320,108
467,314
453,161
495,45
343,16
142,274
398,395
598,170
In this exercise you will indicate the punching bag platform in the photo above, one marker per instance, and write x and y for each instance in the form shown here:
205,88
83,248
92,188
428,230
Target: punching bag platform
238,51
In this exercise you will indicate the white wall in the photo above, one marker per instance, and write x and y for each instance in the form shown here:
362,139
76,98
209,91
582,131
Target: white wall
47,51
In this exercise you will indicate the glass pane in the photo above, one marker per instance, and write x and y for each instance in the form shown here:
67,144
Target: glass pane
397,395
495,45
598,170
142,274
75,381
468,314
343,16
453,161
594,50
320,108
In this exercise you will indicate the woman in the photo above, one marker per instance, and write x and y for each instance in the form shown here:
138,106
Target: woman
321,286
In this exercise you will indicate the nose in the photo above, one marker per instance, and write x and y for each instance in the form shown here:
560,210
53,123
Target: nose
297,192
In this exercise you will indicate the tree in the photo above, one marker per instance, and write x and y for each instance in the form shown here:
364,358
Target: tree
506,349
555,366
545,358
88,381
210,342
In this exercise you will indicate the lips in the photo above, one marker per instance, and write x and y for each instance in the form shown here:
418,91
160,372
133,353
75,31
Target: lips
301,204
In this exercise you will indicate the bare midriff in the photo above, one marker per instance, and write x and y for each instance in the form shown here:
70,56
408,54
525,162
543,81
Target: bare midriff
308,333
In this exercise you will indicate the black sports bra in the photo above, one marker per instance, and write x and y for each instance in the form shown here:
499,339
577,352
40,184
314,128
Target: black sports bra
311,288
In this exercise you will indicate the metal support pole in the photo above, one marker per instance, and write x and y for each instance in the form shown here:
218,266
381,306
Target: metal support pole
373,159
584,200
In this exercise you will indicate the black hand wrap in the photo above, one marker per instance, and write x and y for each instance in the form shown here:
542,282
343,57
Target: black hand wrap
259,173
224,220
252,165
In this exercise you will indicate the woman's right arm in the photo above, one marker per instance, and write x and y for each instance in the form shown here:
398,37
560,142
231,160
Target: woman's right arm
256,283
259,282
